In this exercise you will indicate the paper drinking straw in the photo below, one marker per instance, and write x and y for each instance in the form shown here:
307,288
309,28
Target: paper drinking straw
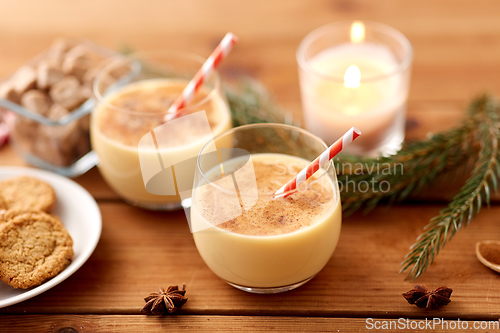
320,161
220,52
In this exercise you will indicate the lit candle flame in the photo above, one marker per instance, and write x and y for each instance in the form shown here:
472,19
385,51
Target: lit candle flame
352,77
357,32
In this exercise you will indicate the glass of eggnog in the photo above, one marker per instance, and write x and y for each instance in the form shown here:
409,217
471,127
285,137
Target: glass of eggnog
135,107
250,238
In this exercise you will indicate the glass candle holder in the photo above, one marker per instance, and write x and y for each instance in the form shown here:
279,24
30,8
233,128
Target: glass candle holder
356,74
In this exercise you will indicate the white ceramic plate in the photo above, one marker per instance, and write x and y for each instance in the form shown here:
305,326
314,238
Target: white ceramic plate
79,213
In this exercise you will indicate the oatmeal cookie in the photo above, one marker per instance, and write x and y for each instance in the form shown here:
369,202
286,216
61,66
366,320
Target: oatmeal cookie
3,204
28,193
8,214
34,247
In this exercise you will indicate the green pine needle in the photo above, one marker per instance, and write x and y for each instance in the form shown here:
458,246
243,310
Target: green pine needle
251,103
468,202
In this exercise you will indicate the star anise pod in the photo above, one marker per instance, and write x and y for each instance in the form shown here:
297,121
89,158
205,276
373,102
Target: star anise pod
423,298
165,301
416,293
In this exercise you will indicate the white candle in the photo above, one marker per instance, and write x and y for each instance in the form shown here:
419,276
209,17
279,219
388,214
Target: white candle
355,84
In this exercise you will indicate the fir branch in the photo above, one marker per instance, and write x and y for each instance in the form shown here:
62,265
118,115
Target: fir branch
467,203
422,162
415,166
251,103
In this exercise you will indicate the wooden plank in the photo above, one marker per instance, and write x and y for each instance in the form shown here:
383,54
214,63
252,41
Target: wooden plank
176,323
140,251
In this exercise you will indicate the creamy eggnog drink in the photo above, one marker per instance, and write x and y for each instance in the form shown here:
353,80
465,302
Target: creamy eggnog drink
277,242
266,244
126,115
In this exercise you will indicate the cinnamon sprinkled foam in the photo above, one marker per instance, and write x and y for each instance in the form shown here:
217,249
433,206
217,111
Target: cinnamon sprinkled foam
269,216
152,98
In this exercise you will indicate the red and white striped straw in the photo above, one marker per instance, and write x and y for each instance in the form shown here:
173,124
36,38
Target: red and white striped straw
320,161
4,133
220,52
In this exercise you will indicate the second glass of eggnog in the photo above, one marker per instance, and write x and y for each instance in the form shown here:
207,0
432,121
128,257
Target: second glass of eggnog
248,237
135,107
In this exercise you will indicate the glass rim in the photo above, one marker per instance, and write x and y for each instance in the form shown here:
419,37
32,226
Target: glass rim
376,26
284,126
149,54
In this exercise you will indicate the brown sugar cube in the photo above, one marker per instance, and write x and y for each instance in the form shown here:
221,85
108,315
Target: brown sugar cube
65,137
57,112
76,67
76,145
82,146
84,94
25,131
36,101
68,135
67,92
7,92
57,50
59,144
79,60
48,74
84,123
24,79
47,149
89,76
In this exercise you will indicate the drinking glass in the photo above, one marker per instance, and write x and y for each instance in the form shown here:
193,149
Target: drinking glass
225,191
138,149
356,74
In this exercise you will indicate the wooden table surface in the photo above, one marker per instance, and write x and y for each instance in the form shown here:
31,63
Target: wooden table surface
457,55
